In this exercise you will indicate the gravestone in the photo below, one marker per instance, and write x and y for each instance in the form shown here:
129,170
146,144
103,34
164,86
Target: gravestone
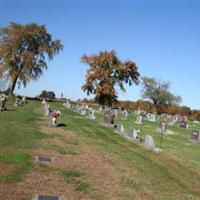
45,159
152,118
163,126
139,120
92,114
17,102
23,100
45,197
136,134
3,100
132,136
183,124
43,102
130,132
125,114
109,116
149,142
47,110
120,128
171,123
195,136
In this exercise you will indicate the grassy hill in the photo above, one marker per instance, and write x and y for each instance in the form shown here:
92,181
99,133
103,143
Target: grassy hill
91,161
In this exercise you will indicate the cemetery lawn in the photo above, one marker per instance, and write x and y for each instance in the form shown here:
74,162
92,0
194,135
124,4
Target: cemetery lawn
91,161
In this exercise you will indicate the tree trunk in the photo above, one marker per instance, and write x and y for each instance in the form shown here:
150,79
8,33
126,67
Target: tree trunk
12,88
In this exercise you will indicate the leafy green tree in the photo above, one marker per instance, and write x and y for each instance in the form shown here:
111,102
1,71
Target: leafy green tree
47,95
106,71
23,52
158,92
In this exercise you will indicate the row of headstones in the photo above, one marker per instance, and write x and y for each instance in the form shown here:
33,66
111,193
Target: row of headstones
170,119
4,98
83,109
135,136
182,123
52,115
20,102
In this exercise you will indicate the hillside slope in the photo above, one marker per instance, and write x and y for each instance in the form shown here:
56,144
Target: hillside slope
90,161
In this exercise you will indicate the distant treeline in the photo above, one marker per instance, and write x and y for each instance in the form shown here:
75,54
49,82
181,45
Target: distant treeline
149,107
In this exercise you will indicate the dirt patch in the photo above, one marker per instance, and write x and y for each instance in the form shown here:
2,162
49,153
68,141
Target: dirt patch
6,169
87,160
41,183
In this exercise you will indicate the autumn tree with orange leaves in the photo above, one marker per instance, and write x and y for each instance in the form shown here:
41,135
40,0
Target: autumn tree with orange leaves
23,52
106,72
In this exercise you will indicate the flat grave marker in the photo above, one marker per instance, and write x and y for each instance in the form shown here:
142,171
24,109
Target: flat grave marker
45,197
45,159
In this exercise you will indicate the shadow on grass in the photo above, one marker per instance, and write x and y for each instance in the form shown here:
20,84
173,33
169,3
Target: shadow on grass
61,125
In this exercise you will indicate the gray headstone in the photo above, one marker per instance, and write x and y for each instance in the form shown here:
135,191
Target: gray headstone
130,132
149,142
195,136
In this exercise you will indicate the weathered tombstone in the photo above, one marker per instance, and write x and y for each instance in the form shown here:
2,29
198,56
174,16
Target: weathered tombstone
120,128
125,114
17,102
183,124
133,135
47,110
43,102
77,108
109,116
171,123
152,118
196,122
92,115
3,100
195,136
23,100
139,120
136,134
130,132
163,126
149,142
67,104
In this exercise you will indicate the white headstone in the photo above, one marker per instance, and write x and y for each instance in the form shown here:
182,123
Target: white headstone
149,142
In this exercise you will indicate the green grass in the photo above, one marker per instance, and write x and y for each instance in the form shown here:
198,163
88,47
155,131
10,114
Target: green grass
73,177
21,160
18,132
15,157
172,174
83,186
176,168
72,173
19,126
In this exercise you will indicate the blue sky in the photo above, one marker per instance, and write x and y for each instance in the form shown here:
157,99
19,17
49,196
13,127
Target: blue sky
162,37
